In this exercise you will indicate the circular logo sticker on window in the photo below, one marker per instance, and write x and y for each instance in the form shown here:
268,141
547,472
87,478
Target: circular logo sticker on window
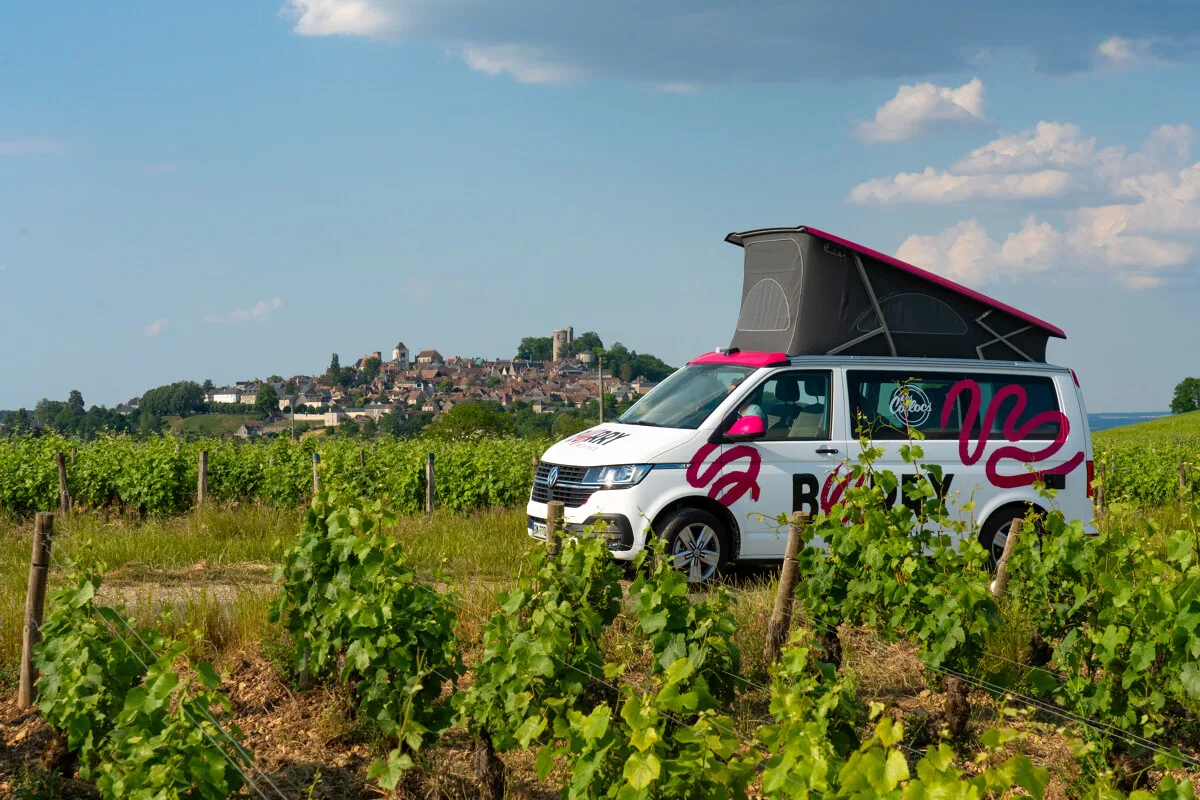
911,406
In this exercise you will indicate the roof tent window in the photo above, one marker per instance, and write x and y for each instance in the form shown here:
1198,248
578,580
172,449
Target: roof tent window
766,306
915,313
765,309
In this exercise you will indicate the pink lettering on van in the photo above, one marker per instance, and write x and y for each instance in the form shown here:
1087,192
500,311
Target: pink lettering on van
1013,434
835,486
731,486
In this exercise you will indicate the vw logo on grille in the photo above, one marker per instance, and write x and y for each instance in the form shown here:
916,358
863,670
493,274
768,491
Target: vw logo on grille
552,476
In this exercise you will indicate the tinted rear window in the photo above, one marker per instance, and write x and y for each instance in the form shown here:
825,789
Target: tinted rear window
885,403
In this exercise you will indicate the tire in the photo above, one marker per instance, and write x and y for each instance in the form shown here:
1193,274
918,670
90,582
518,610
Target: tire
696,542
995,532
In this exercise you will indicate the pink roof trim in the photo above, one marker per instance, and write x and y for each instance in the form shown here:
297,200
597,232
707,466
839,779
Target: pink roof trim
743,358
1054,330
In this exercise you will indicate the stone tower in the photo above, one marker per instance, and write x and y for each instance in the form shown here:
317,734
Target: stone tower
562,340
400,355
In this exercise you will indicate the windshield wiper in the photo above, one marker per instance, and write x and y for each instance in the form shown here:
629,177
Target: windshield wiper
642,422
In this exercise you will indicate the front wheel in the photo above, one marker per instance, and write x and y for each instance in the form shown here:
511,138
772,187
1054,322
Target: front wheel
696,543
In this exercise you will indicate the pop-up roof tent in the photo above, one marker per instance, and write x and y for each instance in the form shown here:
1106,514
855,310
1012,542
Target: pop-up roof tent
807,292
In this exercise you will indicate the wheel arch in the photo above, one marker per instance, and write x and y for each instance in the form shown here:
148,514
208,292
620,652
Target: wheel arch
704,504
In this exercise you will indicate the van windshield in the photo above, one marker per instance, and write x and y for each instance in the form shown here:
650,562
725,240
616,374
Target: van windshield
685,399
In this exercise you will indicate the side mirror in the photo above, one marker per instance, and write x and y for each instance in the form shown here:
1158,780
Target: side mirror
746,429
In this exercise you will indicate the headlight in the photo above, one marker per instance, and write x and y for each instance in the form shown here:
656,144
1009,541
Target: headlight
617,477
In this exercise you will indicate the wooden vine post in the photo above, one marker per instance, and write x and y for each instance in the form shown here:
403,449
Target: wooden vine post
1010,543
202,479
64,497
316,474
780,623
430,491
1183,476
35,605
554,523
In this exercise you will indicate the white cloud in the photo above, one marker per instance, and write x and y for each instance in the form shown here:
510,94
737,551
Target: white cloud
155,328
258,312
522,63
341,18
750,41
935,187
925,108
1122,53
1050,145
17,148
1097,241
1050,161
965,252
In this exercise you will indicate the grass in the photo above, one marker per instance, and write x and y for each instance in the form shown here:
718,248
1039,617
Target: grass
210,424
213,568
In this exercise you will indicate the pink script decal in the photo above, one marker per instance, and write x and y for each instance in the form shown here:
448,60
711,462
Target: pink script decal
1016,435
734,484
835,487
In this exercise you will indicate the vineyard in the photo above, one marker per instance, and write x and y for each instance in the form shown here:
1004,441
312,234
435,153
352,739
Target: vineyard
1142,463
158,476
429,665
274,644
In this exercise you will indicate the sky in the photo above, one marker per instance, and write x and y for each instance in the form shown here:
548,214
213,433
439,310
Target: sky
228,190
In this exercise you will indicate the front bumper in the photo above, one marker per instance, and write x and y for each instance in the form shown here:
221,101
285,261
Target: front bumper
613,527
614,513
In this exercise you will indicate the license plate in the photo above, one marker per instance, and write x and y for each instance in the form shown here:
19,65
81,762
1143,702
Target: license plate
537,529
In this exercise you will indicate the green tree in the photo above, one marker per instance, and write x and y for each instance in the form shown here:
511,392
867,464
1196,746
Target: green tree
415,424
587,342
536,348
1187,396
208,385
445,386
267,401
149,422
275,379
370,427
370,368
334,374
473,421
18,421
391,423
46,411
492,382
75,402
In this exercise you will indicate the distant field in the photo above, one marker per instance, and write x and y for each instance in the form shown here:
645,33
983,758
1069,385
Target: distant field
1169,425
210,424
1143,462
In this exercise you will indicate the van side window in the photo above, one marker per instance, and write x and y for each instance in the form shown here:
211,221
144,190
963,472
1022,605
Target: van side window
795,406
885,403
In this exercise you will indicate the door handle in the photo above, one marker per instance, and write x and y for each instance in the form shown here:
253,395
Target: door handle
827,451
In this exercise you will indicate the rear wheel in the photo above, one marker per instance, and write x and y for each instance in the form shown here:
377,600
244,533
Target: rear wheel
995,532
696,542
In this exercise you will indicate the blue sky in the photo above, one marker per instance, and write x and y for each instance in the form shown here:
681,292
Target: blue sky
234,189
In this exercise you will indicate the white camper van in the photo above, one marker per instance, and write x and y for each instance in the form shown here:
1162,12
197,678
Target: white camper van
829,334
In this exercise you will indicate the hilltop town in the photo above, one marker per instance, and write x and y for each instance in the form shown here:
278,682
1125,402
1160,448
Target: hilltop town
556,376
431,383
